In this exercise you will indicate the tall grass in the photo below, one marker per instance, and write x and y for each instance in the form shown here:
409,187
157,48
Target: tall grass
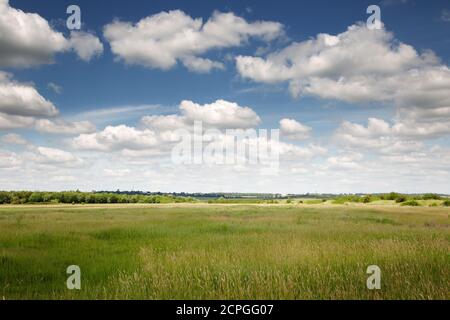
224,252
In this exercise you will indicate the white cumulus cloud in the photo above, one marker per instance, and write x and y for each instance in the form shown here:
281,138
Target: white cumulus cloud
85,45
13,138
163,39
294,130
52,156
20,99
9,160
117,138
27,39
361,66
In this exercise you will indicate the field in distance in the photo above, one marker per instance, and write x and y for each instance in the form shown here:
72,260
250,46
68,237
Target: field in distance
224,251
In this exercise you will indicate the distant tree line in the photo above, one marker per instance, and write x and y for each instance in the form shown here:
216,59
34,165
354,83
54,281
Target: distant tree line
393,196
22,197
216,195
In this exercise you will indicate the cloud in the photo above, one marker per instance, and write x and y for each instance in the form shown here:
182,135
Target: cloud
9,160
294,130
52,156
12,138
296,153
21,106
352,58
116,172
85,45
362,66
387,3
20,99
378,136
158,133
64,179
13,122
160,130
54,126
163,123
27,39
445,15
116,115
163,39
151,143
54,87
383,137
117,138
63,127
202,65
348,161
220,114
35,160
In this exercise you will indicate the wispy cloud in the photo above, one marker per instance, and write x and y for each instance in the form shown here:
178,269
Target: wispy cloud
54,87
120,113
445,16
386,3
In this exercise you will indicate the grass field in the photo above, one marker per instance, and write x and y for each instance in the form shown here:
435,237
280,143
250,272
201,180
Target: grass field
205,251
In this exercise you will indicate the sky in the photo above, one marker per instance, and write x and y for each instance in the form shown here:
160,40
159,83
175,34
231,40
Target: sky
103,107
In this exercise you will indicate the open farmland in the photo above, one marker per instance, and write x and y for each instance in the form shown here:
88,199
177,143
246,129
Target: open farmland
224,251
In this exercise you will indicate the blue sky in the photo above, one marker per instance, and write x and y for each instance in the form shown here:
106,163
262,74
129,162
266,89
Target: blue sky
417,24
112,88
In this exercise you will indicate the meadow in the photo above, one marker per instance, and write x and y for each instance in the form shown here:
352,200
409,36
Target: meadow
224,251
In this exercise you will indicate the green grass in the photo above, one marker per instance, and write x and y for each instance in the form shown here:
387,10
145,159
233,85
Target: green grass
412,203
201,251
